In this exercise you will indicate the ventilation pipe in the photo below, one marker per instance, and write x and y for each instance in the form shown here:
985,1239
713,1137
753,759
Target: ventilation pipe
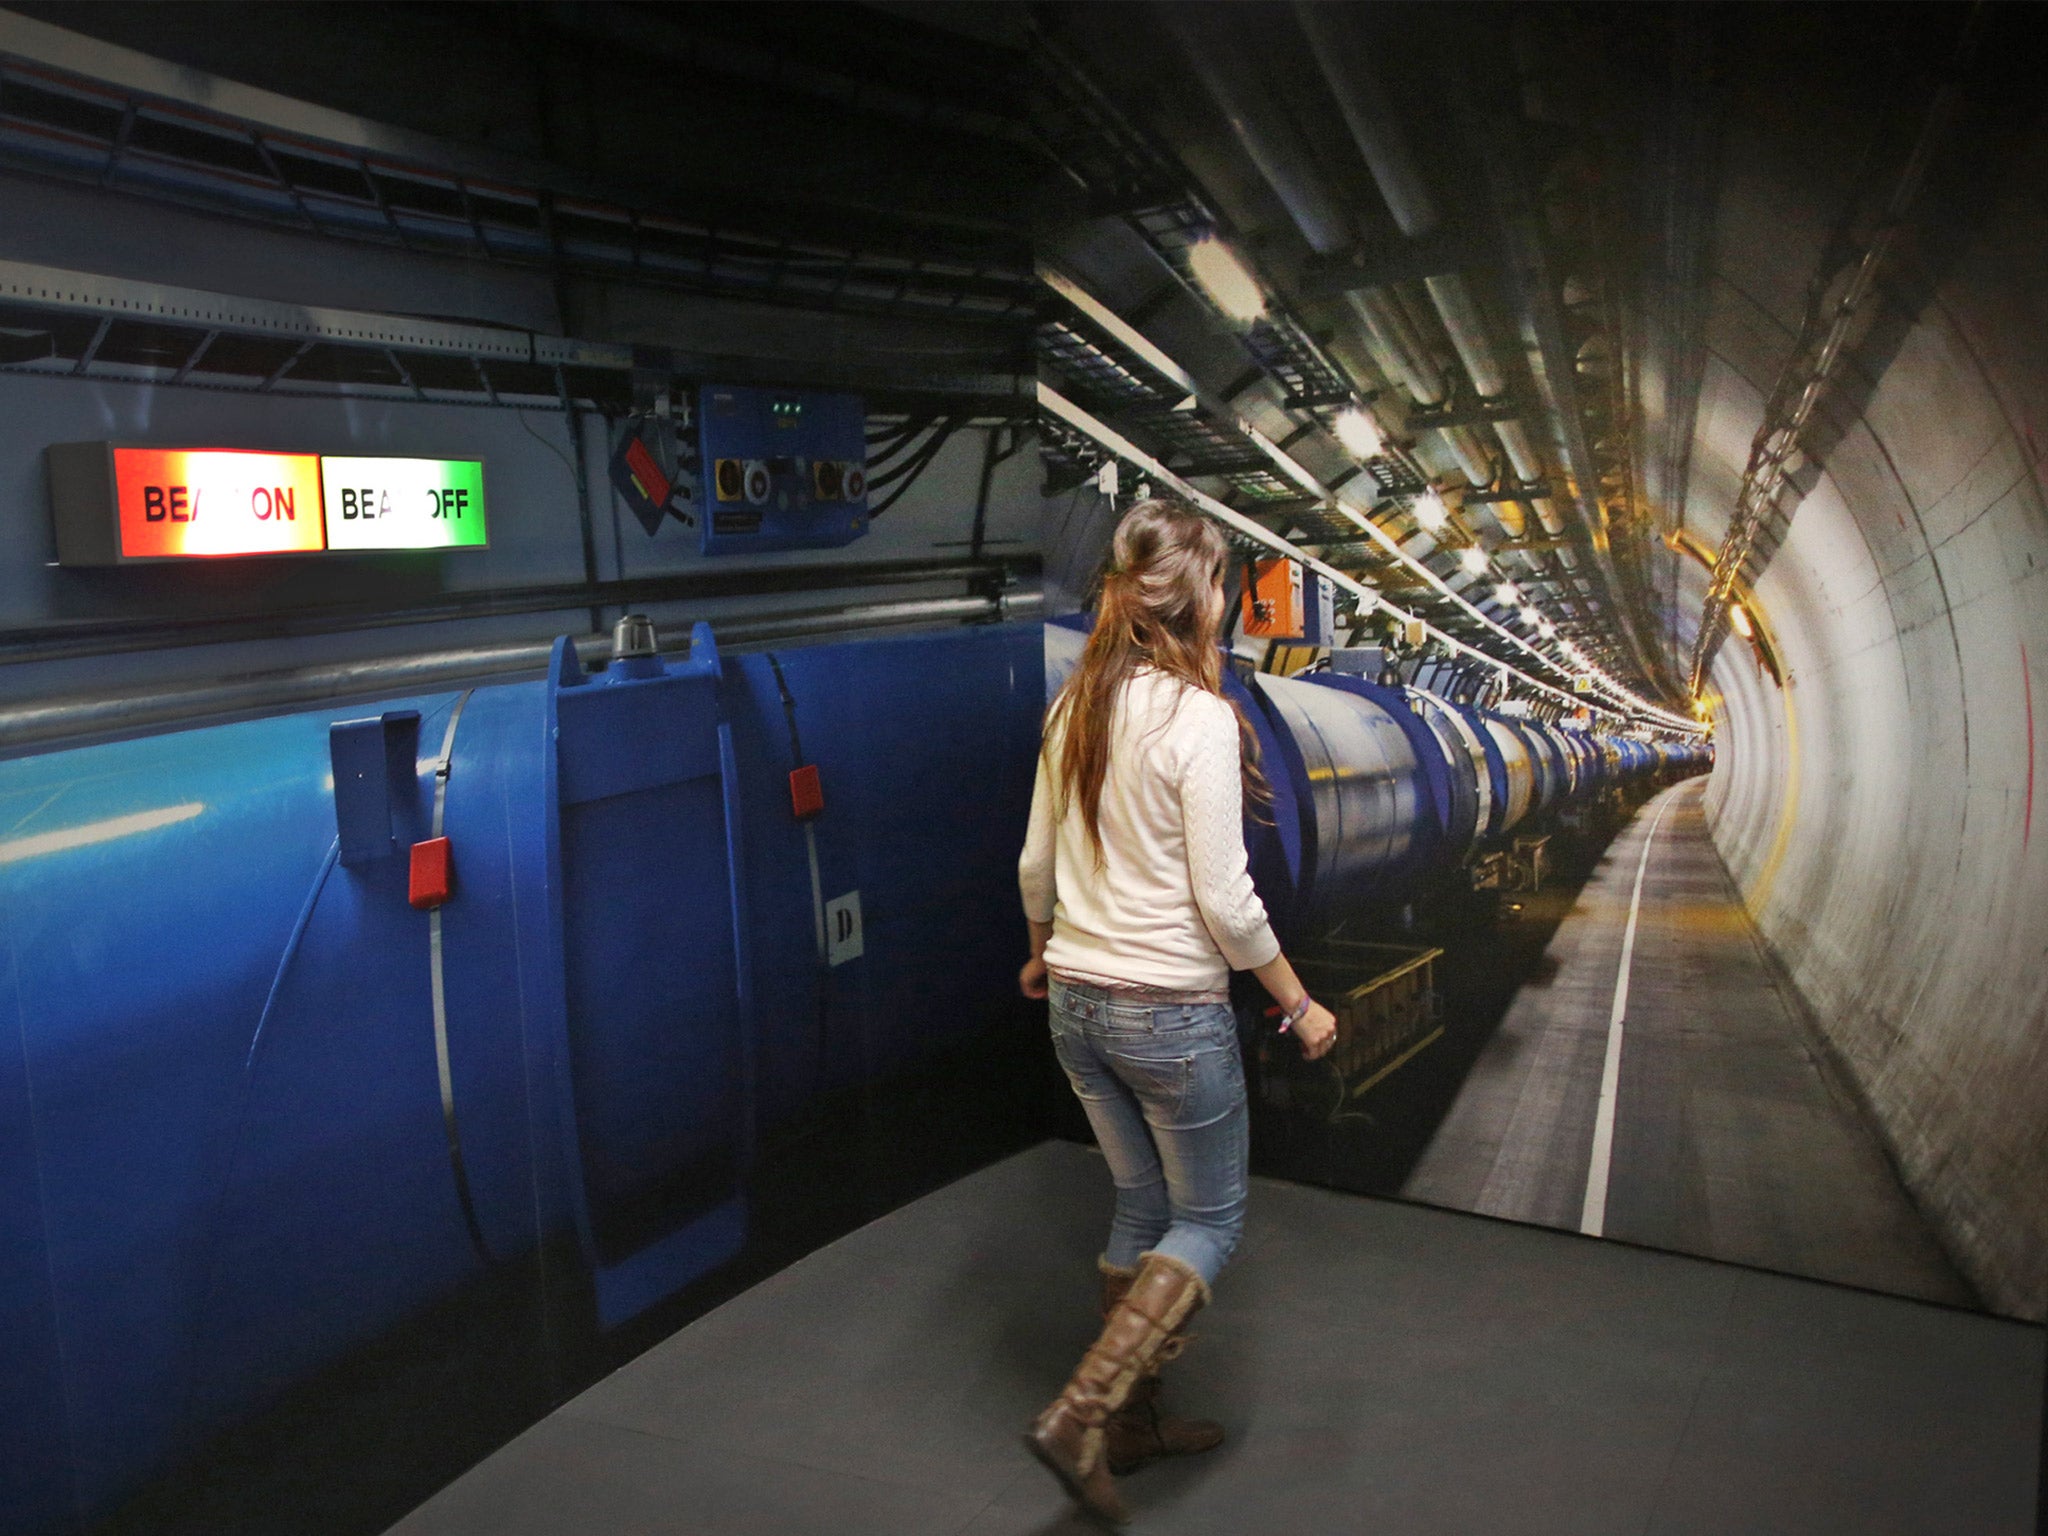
1397,347
1206,35
1376,130
1208,38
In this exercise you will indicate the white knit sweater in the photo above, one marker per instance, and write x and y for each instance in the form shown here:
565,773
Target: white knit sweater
1170,903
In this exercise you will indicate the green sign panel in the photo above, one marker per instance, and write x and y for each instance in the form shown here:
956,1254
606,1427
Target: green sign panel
403,503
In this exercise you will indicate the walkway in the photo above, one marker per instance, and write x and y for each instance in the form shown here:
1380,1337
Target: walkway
1727,1134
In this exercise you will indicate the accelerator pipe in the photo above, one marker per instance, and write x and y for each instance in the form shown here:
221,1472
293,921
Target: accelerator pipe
41,723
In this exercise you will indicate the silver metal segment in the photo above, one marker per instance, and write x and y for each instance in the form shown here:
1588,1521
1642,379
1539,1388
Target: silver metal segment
449,1124
1475,750
1521,773
1362,783
817,886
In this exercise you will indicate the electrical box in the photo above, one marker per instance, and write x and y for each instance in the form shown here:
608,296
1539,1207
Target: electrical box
780,468
1283,601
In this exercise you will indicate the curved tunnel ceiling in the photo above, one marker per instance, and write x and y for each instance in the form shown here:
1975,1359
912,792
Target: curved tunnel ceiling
1874,797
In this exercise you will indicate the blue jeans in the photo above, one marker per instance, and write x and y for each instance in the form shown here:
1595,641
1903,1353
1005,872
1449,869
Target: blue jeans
1164,1091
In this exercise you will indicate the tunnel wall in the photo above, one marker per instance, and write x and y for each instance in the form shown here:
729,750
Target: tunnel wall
1877,808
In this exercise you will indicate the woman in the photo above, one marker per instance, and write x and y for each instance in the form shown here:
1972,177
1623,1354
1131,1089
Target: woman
1140,904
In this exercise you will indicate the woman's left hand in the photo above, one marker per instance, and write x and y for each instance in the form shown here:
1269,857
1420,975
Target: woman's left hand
1031,980
1317,1032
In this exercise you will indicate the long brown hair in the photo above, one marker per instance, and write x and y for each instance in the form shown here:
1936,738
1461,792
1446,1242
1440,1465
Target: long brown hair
1155,609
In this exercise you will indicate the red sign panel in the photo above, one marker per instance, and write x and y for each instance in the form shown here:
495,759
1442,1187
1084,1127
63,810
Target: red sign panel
182,502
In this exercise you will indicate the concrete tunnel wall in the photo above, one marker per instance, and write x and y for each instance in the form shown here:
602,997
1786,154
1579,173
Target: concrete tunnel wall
1877,809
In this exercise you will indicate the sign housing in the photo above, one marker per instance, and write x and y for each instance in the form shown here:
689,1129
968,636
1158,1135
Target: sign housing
117,504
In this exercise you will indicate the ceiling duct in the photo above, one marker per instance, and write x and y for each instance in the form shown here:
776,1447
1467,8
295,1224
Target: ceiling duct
1208,37
1382,143
1216,51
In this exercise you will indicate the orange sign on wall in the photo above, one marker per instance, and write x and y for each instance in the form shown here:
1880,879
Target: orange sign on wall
181,502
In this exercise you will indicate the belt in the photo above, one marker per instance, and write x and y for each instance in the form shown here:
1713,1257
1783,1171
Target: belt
1139,994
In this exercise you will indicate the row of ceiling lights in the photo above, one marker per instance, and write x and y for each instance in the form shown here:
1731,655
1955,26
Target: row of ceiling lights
1281,158
1238,293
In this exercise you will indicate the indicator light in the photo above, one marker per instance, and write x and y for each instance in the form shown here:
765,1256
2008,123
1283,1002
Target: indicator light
403,503
183,502
112,503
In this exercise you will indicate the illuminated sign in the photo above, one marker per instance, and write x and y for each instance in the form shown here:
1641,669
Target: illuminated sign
403,503
177,502
114,505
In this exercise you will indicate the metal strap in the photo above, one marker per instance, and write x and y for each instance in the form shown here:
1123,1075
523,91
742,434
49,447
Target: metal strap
796,751
448,1120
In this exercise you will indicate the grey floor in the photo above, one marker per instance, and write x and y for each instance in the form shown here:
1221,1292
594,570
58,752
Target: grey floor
1733,1138
1381,1367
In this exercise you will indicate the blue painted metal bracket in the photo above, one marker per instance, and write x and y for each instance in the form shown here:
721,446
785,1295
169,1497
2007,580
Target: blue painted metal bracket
643,726
376,775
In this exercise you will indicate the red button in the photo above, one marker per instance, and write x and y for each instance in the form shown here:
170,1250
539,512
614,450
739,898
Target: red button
433,873
806,792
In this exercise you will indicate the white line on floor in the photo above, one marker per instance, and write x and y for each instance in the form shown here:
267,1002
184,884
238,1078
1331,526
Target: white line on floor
1593,1215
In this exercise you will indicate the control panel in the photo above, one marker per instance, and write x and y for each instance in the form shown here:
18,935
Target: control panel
780,468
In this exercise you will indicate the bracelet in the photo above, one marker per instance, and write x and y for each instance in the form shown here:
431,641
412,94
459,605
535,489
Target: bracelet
1299,1013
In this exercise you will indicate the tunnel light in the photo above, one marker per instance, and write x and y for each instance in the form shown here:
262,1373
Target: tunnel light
1504,594
1226,279
1530,616
1356,430
1546,629
1430,511
1473,558
1739,617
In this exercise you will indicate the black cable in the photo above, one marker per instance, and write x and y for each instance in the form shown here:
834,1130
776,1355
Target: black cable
915,471
916,463
796,742
906,452
880,454
910,427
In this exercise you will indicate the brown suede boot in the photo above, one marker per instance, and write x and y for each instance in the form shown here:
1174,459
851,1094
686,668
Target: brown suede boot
1141,1431
1071,1436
